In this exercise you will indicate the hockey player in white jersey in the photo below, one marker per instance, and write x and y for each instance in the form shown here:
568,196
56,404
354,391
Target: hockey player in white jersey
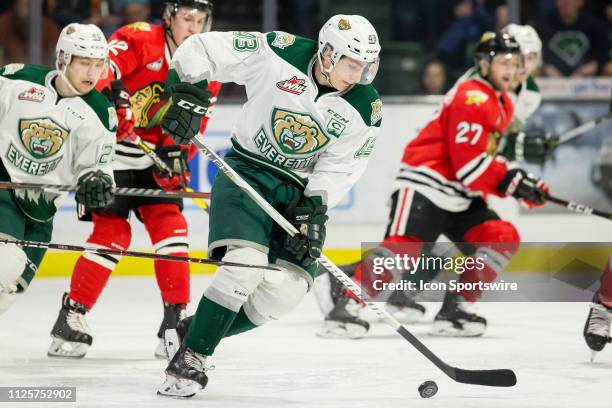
303,139
55,128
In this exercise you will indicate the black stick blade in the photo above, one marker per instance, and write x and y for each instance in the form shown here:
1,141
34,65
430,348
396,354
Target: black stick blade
492,378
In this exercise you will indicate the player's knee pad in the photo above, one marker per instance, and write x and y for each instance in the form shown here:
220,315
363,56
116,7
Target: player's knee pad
13,262
110,231
276,297
167,228
232,285
496,241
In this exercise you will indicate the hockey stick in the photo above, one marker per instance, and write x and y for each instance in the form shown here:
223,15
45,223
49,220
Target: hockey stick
120,191
163,167
117,252
496,378
571,134
579,208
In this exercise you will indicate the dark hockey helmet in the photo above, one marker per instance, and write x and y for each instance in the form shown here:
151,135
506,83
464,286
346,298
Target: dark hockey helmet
173,6
495,43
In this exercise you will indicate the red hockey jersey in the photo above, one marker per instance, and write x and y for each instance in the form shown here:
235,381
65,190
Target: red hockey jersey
140,58
454,157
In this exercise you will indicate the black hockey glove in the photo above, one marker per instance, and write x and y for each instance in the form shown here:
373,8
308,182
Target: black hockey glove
530,190
183,119
176,159
532,146
309,217
95,189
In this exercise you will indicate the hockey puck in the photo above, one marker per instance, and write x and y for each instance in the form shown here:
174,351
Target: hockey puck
428,389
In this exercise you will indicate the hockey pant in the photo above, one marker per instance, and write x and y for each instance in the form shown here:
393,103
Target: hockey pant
414,221
240,299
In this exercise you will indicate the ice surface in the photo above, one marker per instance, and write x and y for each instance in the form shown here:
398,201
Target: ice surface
285,365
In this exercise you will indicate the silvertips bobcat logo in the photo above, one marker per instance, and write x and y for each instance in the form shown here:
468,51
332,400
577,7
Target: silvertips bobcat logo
42,137
297,133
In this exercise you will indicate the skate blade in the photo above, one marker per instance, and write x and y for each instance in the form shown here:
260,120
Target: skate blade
446,329
336,330
67,349
405,314
171,343
178,387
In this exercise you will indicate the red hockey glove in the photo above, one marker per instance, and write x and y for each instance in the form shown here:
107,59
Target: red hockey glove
176,159
119,96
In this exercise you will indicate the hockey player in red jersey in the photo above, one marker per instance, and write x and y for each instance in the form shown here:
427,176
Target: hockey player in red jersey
445,174
139,58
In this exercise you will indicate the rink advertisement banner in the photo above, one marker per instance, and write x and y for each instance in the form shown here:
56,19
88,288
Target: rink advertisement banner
580,171
544,272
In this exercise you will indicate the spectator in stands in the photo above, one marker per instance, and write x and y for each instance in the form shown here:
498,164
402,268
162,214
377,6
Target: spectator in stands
15,34
132,11
575,42
98,12
471,19
433,78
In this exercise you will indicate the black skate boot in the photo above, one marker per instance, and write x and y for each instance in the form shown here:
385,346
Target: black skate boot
172,314
343,321
70,334
597,327
404,308
454,320
185,374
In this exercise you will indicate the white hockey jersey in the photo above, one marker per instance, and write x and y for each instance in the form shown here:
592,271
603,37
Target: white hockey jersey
47,139
285,123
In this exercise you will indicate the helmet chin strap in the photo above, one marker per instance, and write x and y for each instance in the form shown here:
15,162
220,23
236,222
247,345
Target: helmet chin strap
324,71
64,77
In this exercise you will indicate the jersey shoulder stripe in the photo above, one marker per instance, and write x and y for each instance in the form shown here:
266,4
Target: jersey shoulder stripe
366,101
295,50
103,109
532,85
26,72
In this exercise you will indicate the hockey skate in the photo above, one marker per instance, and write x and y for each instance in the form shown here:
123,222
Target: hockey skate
70,335
343,321
172,314
403,308
597,327
454,320
328,288
185,374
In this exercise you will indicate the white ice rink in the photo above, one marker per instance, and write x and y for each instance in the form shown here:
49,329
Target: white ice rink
285,365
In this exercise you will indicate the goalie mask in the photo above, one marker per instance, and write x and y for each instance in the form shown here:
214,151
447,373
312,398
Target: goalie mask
351,36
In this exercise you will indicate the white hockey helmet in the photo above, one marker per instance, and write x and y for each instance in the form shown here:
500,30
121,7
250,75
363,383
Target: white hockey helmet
352,36
81,40
527,37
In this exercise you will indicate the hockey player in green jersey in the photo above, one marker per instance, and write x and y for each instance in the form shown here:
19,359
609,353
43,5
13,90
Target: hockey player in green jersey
55,128
303,139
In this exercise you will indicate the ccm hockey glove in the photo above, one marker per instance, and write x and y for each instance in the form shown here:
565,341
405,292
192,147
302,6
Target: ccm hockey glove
176,159
95,189
119,96
183,118
533,146
530,190
309,217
